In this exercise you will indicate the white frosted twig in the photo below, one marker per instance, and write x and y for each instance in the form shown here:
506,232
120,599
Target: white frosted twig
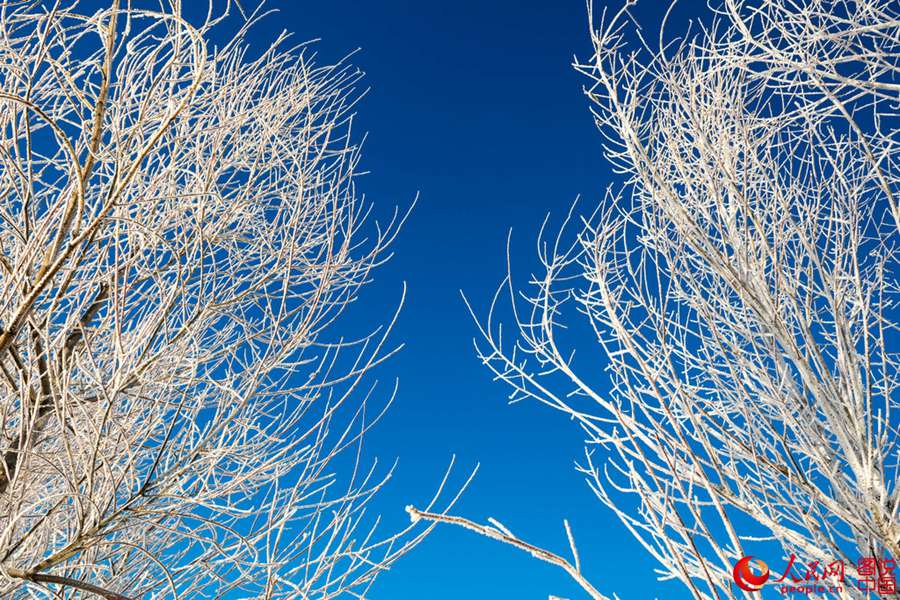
501,536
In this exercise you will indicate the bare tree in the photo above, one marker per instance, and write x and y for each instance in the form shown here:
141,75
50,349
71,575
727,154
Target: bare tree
179,230
741,287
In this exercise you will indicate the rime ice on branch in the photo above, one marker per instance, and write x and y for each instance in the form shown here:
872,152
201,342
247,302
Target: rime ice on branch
179,230
741,285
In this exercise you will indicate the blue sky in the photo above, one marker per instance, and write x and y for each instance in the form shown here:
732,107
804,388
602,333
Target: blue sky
474,105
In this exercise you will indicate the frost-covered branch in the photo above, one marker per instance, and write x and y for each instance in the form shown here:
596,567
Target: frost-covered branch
501,534
179,230
740,286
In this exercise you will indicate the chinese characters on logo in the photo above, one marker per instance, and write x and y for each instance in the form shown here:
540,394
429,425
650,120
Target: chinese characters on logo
873,575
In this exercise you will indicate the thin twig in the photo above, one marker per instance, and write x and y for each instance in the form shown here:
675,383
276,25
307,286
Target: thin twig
495,534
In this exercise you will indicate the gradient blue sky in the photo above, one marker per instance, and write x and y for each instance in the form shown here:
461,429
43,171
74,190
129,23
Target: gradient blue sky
474,105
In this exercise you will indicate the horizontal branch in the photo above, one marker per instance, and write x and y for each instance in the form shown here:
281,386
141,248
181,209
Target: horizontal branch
507,538
65,581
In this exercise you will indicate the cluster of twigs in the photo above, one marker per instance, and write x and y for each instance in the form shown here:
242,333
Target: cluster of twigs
741,287
179,230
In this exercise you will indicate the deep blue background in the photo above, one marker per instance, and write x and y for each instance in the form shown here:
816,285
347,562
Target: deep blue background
475,105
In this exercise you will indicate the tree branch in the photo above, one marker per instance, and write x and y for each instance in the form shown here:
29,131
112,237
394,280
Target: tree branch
507,538
65,581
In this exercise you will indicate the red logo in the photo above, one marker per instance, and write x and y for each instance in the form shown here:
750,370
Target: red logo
873,574
744,577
